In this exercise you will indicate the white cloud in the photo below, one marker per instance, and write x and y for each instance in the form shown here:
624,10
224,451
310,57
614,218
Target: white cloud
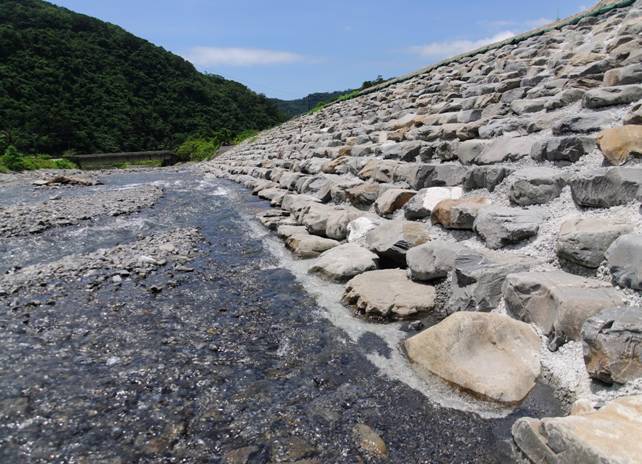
221,56
456,47
539,22
516,25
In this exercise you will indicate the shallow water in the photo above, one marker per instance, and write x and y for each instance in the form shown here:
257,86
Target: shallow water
246,351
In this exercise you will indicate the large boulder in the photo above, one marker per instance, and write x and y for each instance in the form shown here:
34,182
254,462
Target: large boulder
358,228
583,241
619,144
613,345
388,294
344,262
536,186
392,200
500,226
624,258
459,214
610,435
422,204
606,187
432,260
309,246
478,276
393,239
557,302
487,177
490,355
362,195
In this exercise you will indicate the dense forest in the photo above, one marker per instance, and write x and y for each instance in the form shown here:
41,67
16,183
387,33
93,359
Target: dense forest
72,82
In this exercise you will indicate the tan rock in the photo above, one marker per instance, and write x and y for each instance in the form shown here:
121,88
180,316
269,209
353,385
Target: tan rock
392,200
388,294
309,246
488,354
620,143
610,435
369,440
458,214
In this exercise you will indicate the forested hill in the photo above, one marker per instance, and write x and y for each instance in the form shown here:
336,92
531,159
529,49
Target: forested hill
302,105
69,81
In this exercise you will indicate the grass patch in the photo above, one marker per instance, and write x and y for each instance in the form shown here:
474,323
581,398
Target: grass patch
138,164
14,161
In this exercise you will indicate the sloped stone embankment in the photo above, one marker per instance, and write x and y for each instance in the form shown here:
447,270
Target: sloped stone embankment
505,182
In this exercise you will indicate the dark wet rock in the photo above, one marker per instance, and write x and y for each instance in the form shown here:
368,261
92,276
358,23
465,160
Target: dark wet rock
612,341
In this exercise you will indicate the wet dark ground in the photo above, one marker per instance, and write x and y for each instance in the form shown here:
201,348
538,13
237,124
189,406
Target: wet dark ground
229,363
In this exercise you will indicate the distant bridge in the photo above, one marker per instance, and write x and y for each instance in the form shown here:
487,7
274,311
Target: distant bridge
107,160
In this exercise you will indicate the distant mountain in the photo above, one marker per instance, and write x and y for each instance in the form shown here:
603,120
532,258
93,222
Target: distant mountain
292,108
69,81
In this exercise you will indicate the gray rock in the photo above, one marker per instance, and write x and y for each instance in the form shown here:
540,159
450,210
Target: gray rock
528,106
404,151
584,241
612,96
557,302
432,260
500,226
478,276
393,239
624,258
583,123
487,177
606,187
536,186
562,149
344,262
612,341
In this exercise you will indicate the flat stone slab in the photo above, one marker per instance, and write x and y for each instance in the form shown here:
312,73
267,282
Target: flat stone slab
344,262
432,260
536,186
490,355
610,435
309,246
388,294
606,187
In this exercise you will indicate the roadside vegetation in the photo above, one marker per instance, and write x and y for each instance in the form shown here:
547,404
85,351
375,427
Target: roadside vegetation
347,95
14,161
205,148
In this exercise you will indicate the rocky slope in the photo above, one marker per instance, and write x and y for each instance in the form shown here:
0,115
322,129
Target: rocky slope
506,182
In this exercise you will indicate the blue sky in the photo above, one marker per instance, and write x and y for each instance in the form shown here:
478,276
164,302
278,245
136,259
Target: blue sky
289,48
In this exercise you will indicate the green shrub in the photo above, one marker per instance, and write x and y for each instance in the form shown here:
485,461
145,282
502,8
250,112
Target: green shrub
198,149
12,159
245,135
